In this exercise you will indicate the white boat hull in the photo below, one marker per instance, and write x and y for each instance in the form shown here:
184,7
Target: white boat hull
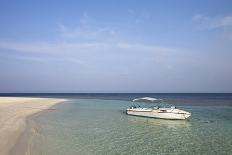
157,114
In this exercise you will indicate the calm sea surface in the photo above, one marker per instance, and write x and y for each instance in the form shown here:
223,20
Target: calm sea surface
90,124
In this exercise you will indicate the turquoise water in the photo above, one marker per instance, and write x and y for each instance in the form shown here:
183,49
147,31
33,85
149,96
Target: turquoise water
96,126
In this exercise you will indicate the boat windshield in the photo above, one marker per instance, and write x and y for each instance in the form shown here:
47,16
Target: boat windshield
146,99
149,102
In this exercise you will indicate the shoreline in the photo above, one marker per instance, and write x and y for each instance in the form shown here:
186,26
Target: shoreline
16,119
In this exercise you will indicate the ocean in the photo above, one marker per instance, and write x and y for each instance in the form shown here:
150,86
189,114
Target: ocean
96,124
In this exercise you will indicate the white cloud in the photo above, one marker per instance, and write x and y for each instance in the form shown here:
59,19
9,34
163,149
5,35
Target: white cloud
143,47
77,47
139,17
84,19
44,59
55,47
95,44
221,23
86,30
130,11
142,17
207,22
99,53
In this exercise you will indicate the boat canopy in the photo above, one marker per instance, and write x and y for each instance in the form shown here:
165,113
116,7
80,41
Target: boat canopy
146,98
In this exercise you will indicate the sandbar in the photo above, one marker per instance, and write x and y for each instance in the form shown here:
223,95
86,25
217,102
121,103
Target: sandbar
13,114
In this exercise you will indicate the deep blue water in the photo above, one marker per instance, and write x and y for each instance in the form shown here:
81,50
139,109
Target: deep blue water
193,99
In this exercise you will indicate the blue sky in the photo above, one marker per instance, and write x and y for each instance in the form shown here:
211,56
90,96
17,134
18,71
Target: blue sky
116,46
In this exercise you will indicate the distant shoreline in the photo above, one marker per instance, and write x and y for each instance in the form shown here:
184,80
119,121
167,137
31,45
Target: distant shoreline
15,112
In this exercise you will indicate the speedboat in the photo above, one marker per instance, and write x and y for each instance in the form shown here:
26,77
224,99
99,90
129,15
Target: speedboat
157,111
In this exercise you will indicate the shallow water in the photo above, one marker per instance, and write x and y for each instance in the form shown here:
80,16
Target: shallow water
96,126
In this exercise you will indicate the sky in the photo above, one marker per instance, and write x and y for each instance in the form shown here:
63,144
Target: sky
116,46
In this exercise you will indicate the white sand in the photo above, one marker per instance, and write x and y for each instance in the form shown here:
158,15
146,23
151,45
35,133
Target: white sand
13,114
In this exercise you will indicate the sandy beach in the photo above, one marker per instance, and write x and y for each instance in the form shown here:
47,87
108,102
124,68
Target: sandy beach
13,114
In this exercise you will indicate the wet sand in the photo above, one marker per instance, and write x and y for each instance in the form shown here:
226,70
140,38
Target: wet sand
14,112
